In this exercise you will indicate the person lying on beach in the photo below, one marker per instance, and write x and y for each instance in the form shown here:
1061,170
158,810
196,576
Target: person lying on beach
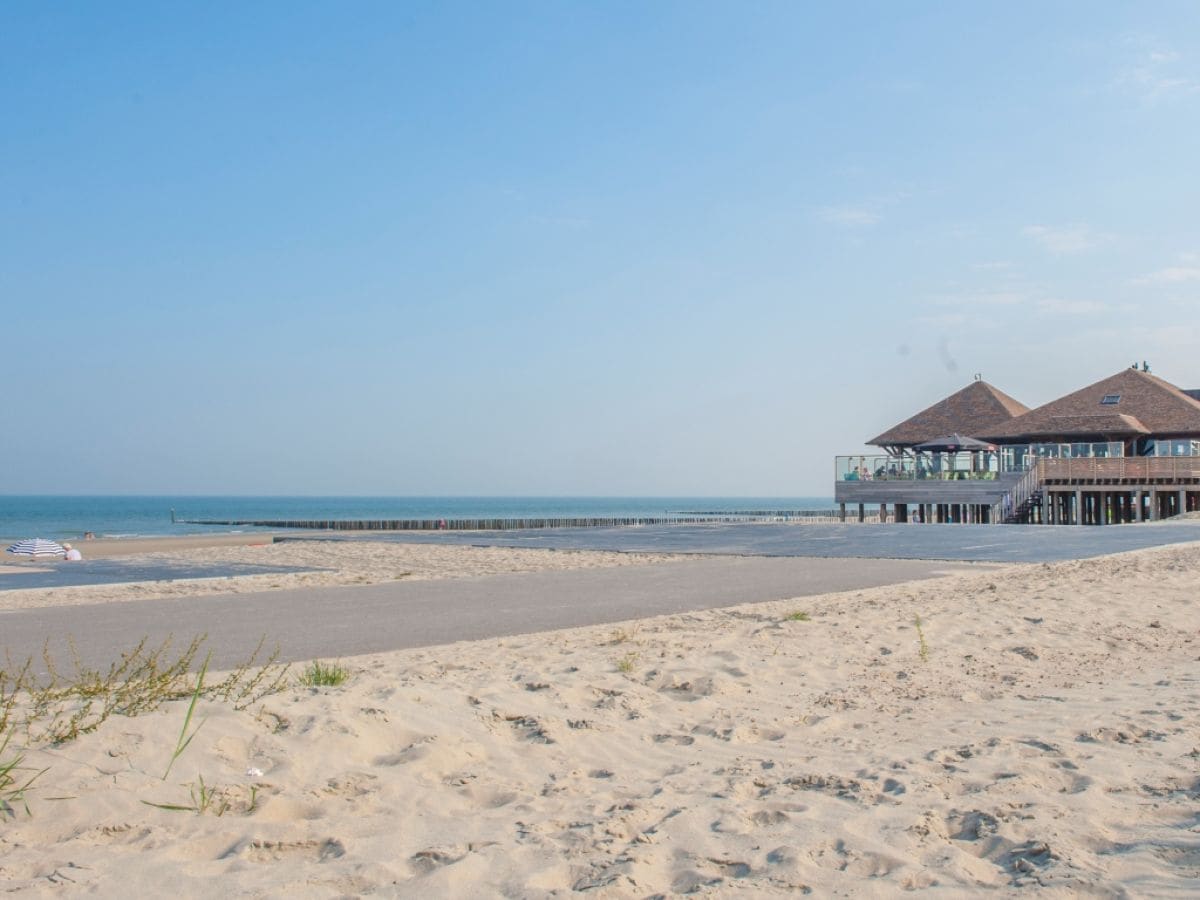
73,555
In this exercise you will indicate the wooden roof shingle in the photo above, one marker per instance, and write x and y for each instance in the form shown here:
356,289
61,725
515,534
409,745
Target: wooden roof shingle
972,411
1145,404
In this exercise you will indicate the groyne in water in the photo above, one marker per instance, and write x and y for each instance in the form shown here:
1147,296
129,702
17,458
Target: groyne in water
511,524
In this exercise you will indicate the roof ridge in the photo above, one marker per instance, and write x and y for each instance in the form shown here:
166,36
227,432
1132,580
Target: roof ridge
969,410
1151,402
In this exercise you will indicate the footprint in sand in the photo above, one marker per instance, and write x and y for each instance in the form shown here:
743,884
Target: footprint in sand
432,858
271,851
837,855
113,834
979,833
529,728
973,825
767,818
352,785
687,689
842,788
681,740
1185,858
1129,735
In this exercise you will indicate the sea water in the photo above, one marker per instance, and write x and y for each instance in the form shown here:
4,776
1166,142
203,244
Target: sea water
69,517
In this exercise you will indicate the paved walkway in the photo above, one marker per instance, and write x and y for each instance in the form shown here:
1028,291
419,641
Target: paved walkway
120,570
984,543
336,622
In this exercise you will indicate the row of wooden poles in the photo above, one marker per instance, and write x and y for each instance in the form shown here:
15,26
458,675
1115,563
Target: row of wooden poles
511,524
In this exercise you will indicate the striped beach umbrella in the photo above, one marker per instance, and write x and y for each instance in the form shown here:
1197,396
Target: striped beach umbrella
37,547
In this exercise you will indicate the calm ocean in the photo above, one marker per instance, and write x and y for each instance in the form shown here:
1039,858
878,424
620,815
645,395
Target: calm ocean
64,518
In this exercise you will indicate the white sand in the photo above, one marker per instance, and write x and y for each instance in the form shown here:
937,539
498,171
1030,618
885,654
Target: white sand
342,562
1049,741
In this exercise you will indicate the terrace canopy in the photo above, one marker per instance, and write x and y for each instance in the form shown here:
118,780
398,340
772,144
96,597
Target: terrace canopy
953,443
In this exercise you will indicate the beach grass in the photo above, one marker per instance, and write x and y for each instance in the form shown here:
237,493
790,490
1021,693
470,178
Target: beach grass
321,674
13,780
59,707
626,663
206,798
923,647
184,738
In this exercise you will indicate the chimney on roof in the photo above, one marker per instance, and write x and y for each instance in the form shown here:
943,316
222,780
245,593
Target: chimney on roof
1145,366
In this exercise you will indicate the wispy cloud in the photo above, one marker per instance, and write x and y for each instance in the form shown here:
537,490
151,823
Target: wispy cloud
851,216
1156,73
864,214
1067,238
1171,275
1055,306
982,309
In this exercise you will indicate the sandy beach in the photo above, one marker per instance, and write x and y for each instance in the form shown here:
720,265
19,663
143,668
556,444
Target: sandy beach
1030,728
335,562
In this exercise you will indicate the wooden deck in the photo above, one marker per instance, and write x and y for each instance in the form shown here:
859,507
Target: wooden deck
1091,491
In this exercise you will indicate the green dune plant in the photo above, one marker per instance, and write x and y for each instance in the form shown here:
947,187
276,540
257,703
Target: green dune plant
622,635
13,780
321,674
184,738
60,706
626,663
923,648
208,799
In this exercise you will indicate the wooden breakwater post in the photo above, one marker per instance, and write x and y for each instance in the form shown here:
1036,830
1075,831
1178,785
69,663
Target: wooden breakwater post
516,524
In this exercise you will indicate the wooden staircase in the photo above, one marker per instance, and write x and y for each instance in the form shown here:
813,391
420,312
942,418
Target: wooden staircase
1023,499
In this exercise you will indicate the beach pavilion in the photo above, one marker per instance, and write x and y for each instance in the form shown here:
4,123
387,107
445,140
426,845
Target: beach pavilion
933,483
1124,449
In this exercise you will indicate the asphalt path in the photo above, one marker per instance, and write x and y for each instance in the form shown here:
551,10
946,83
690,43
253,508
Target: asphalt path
983,543
119,570
334,622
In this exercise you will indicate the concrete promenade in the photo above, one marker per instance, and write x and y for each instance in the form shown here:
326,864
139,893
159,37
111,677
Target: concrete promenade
979,543
346,621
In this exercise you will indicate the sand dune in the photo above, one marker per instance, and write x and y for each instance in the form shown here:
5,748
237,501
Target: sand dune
1037,731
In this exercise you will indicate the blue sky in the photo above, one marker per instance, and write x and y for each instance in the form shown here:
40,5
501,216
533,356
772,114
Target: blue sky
566,248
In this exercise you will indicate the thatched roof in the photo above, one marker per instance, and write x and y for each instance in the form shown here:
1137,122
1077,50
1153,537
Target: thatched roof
972,411
1138,404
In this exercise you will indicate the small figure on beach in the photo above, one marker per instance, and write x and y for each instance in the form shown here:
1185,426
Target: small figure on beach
73,555
89,535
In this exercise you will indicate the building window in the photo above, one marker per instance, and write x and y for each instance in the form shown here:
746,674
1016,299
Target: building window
1110,400
1177,448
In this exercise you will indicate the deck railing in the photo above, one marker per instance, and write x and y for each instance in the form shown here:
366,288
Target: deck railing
890,468
1121,468
1144,469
